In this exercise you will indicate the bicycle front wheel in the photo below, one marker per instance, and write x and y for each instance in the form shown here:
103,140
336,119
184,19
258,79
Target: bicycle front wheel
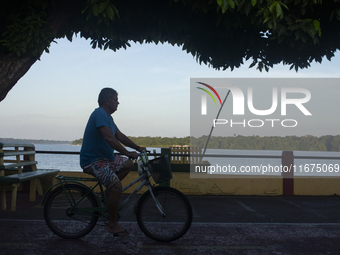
173,223
69,211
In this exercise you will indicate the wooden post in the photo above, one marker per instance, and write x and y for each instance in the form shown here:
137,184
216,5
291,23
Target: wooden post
29,158
18,160
33,189
3,197
175,159
14,195
192,158
3,188
35,184
288,173
166,151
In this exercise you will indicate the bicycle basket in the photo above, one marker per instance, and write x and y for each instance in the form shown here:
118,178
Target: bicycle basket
160,169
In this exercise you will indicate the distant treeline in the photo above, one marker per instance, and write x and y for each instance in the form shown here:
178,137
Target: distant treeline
302,143
33,141
152,141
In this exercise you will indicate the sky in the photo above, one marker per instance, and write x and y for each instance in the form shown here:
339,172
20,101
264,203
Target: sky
56,96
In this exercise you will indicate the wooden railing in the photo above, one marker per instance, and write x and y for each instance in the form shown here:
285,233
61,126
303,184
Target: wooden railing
181,157
187,155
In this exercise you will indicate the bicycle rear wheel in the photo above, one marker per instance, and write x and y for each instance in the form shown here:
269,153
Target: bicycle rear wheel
173,224
68,211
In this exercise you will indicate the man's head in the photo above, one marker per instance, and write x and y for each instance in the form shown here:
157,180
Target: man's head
106,94
108,100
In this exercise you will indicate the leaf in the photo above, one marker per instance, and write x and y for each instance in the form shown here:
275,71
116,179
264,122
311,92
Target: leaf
253,2
318,59
115,10
272,6
224,6
94,44
279,12
109,12
102,6
266,20
317,26
282,31
247,9
69,36
252,64
83,11
231,3
297,35
95,9
106,45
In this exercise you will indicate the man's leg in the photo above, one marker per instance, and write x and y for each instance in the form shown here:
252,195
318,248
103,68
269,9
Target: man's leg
113,202
128,165
113,197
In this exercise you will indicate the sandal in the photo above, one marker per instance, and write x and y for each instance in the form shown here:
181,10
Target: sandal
121,233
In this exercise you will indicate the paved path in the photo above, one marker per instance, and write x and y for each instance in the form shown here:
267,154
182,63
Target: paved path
222,225
33,237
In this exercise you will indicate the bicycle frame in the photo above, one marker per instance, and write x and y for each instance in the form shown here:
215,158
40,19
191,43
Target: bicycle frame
63,180
72,207
146,182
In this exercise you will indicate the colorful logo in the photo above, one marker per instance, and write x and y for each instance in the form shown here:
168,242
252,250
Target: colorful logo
213,90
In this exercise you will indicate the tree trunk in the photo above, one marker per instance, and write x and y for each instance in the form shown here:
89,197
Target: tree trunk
12,68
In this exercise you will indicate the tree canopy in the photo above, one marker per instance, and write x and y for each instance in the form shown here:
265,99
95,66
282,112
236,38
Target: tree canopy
219,33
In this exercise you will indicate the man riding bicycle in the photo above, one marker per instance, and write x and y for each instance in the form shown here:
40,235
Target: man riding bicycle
101,138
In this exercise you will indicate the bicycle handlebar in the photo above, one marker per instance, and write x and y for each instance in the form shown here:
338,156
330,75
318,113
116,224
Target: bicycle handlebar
144,157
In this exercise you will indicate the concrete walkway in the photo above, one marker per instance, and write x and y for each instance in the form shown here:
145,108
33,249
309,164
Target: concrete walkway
222,225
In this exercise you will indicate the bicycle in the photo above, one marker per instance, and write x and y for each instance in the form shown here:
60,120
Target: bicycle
72,209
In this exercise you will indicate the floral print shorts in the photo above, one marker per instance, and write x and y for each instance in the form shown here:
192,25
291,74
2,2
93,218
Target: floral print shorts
105,170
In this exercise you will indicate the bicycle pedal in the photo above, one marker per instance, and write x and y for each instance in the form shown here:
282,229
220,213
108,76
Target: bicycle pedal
106,218
101,199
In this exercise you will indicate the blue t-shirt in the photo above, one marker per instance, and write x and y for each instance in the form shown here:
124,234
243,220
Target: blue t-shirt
94,146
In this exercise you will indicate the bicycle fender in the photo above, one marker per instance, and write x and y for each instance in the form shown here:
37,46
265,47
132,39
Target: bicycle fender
58,185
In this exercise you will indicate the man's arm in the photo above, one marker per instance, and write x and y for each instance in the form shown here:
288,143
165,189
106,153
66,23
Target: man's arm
127,142
115,144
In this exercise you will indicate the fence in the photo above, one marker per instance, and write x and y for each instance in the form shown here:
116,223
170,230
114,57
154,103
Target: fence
181,157
185,155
